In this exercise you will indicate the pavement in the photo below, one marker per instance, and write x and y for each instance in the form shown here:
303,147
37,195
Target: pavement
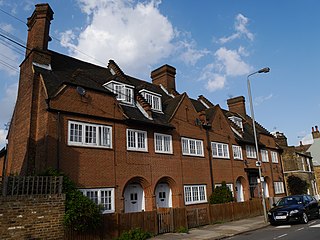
218,231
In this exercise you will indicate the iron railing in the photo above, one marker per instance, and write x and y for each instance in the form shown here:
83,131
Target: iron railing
30,185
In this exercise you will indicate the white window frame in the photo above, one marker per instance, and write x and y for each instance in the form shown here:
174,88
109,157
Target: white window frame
135,137
163,143
264,155
237,152
99,198
89,135
194,194
274,157
237,121
220,150
153,99
124,92
278,187
251,151
192,147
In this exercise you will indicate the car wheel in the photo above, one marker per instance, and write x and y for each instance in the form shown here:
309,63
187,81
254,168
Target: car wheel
304,218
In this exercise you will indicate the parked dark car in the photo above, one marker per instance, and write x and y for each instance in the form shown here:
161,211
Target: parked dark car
295,208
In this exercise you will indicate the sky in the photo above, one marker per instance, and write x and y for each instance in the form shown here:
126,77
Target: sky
213,44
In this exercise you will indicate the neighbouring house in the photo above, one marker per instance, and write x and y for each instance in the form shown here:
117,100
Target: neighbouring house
314,149
130,144
298,162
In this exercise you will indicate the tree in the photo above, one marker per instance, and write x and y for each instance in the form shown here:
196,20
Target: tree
221,194
296,185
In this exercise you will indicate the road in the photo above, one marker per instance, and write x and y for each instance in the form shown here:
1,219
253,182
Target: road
310,231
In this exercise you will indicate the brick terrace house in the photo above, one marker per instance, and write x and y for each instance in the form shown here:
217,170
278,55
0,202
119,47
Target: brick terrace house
130,144
298,162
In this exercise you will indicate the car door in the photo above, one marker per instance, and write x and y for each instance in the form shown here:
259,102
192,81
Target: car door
310,206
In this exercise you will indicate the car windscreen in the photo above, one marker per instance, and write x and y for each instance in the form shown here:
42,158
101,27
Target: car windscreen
290,201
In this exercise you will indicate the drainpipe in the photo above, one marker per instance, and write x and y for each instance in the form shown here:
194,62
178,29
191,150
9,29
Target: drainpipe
207,127
58,141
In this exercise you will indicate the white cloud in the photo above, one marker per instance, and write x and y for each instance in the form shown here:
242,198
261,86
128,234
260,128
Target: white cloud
3,135
241,30
261,99
232,62
190,55
7,103
134,35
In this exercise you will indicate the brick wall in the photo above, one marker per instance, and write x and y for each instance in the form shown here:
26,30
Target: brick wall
32,217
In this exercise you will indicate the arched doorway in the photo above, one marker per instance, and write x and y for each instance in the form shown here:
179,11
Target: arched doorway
134,200
265,185
163,195
240,183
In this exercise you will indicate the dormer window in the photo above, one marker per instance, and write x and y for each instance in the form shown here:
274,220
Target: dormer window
153,99
124,92
237,121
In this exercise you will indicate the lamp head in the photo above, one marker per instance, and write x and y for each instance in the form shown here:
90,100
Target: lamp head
264,70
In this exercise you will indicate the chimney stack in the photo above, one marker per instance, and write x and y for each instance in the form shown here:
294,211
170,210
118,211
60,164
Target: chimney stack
38,28
237,105
281,139
315,133
165,76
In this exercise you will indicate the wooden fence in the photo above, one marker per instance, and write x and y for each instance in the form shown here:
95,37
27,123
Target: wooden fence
170,220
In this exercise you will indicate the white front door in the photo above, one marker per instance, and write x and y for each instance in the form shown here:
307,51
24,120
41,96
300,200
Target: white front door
134,198
240,197
163,196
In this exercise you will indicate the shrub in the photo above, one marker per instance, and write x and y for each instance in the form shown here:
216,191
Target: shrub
81,214
221,194
135,234
296,185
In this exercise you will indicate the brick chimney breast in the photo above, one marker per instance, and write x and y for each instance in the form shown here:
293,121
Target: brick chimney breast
165,76
39,27
237,105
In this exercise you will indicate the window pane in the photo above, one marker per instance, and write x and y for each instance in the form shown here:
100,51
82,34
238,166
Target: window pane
195,194
90,134
187,192
131,139
159,146
185,146
199,147
192,146
141,140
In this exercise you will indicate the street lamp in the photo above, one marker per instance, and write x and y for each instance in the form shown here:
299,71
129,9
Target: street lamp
263,70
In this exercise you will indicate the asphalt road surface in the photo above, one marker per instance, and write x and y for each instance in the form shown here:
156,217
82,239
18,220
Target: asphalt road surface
310,231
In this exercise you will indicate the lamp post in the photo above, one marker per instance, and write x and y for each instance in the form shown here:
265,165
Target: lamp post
258,163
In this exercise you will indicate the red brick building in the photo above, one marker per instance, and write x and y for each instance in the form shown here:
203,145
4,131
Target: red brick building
129,144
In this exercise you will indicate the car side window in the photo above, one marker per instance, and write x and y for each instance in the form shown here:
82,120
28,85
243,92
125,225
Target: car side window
306,200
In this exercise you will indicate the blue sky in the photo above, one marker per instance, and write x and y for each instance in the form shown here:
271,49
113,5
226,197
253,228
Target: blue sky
213,44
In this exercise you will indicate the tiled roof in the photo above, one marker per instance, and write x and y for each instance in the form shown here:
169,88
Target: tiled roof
66,70
71,71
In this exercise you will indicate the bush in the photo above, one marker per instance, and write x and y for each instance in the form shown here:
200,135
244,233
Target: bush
81,214
135,234
296,185
221,194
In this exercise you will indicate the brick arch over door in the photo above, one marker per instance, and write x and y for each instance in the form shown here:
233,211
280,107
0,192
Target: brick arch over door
137,195
166,189
242,189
